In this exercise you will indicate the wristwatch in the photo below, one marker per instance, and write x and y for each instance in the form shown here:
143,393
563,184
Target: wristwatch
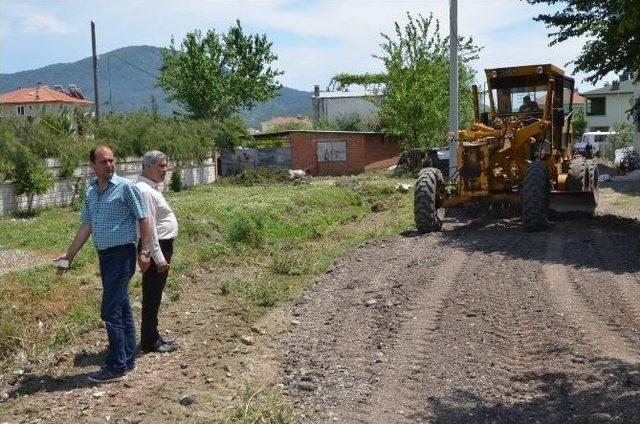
146,253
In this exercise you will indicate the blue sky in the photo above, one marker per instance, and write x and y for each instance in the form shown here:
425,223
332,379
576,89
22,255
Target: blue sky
313,39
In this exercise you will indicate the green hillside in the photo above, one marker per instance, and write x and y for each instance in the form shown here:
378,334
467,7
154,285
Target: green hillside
126,77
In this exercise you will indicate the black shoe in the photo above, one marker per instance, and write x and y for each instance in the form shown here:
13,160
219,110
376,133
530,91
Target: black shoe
106,375
167,339
160,347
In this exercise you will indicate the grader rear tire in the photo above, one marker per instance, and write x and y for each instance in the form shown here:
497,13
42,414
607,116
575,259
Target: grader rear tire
427,213
535,197
578,177
594,184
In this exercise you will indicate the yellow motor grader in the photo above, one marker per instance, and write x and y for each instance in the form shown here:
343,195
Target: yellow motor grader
517,153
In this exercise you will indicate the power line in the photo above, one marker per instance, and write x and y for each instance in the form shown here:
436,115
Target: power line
131,64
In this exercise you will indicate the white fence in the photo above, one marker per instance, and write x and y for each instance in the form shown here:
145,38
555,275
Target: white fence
66,190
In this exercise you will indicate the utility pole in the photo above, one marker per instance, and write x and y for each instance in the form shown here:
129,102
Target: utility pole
636,117
95,70
453,86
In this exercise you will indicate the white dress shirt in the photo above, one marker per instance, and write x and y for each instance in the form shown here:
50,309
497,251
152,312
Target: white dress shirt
162,220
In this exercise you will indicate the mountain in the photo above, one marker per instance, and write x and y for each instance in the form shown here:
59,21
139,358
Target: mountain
125,81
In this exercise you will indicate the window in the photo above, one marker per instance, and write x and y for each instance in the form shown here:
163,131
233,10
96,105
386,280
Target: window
20,110
332,151
521,99
596,106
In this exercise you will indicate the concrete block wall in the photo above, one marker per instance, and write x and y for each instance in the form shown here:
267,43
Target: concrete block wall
65,191
232,162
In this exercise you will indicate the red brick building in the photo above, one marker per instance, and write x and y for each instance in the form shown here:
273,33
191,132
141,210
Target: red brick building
341,152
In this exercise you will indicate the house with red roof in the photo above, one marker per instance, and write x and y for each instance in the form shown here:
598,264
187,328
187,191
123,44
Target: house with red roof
43,100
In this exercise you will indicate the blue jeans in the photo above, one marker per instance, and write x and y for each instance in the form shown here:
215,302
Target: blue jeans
117,266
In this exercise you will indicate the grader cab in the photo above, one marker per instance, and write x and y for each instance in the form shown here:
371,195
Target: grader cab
517,153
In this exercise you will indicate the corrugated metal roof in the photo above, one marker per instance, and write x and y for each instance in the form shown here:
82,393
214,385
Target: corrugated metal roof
625,87
346,94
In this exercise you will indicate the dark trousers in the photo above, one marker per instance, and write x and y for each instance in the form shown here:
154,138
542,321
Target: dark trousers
117,266
153,283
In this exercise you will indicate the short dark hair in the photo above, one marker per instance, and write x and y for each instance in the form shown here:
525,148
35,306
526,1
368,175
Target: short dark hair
92,152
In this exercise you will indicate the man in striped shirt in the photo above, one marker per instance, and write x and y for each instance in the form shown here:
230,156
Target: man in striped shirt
164,229
112,208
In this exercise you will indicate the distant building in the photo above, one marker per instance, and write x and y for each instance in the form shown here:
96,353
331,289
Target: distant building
331,105
342,152
284,123
579,102
607,106
43,100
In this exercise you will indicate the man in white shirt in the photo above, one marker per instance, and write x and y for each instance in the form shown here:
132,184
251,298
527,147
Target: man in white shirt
164,229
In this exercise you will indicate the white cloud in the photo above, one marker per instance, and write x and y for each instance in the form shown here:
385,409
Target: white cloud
43,23
314,39
25,18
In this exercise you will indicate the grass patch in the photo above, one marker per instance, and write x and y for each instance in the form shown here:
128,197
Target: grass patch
255,296
246,228
252,177
262,405
289,261
286,233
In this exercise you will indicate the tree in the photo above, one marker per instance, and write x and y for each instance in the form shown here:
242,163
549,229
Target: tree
414,106
613,38
415,101
215,76
31,177
612,28
578,124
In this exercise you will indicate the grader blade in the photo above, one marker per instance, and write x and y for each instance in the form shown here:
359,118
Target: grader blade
573,201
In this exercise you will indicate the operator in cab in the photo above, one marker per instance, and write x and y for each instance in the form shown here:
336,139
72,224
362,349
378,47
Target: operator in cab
528,105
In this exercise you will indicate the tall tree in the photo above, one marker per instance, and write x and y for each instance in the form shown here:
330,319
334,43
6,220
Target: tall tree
612,27
613,43
415,101
215,76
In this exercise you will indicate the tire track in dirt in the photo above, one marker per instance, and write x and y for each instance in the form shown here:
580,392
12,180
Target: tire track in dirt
615,283
565,293
499,341
407,354
355,314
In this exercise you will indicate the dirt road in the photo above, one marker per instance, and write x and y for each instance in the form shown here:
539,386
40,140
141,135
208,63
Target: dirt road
480,323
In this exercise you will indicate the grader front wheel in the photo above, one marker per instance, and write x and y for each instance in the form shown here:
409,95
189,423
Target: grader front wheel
535,197
428,214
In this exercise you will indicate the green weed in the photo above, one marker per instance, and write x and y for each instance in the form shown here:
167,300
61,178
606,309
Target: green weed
263,405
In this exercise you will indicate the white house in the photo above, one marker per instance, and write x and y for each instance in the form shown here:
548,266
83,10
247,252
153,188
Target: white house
608,105
43,100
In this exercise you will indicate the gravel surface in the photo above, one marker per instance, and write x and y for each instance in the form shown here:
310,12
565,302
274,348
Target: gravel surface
15,260
480,323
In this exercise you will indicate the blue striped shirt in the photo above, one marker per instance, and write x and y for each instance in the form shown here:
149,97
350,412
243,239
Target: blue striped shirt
113,213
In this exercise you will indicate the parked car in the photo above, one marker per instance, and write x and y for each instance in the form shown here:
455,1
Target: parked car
596,140
586,149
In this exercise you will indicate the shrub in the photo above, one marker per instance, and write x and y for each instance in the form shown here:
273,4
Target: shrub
623,137
246,229
175,184
252,177
290,262
350,122
31,176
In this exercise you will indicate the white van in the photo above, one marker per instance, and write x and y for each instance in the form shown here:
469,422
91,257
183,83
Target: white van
597,140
